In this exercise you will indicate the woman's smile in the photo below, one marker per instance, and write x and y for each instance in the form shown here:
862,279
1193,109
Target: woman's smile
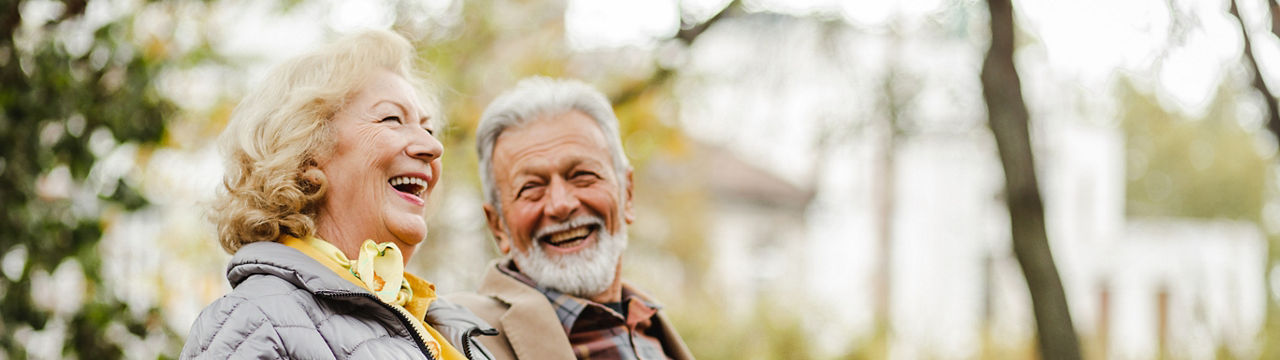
412,187
383,168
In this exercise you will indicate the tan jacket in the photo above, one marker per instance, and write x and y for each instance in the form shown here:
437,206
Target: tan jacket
527,324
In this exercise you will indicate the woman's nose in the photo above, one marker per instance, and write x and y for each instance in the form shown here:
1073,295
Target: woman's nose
425,146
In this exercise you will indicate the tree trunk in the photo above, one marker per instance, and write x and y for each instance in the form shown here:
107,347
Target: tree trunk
1273,114
1272,117
1007,117
1274,5
884,201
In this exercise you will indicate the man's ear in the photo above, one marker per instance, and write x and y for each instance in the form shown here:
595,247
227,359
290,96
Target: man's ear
497,228
628,213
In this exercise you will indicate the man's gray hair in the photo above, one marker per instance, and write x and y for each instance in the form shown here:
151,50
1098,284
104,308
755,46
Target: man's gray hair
542,96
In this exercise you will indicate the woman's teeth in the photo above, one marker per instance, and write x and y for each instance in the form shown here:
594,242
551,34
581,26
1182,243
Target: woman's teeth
409,184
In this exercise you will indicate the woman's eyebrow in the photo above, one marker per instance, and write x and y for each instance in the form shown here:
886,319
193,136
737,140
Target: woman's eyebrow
397,104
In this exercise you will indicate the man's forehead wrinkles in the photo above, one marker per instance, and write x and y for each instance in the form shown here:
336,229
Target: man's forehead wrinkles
522,151
540,166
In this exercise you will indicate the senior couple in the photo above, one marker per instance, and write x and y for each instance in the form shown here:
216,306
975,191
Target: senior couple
331,162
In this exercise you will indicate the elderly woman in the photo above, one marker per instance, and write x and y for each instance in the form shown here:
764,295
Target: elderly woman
330,164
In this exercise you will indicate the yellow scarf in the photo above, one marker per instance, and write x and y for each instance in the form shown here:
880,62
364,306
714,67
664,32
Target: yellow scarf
380,269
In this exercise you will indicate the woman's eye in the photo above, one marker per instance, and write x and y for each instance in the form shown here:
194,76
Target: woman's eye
430,131
392,118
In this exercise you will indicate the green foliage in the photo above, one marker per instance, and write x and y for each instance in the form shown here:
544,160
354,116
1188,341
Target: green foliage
1179,166
65,111
770,331
1200,167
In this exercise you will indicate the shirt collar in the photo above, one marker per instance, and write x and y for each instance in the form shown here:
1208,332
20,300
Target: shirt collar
569,308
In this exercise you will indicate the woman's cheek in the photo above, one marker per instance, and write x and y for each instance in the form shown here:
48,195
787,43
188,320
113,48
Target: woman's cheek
437,171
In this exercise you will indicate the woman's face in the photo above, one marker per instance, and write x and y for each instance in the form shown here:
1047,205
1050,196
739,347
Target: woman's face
384,165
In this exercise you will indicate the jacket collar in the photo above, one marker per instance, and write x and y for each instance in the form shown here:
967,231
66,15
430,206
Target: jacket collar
281,261
531,326
278,260
530,323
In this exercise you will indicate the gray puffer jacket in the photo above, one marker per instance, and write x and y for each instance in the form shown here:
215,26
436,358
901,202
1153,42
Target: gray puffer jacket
287,305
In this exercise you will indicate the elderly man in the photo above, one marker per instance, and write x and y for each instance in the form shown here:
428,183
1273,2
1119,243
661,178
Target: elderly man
558,202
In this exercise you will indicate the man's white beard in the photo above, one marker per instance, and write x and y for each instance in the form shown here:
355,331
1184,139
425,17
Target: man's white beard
586,273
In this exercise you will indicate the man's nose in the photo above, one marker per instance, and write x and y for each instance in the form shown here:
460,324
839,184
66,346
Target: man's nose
561,202
424,146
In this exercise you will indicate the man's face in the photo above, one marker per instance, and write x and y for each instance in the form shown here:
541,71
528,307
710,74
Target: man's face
564,209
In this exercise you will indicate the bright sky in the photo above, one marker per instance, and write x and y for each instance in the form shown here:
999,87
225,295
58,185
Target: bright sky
1088,40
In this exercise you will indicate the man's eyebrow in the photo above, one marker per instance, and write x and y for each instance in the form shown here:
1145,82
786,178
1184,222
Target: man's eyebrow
580,161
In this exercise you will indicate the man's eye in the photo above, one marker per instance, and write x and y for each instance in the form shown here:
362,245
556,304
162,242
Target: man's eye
528,190
392,118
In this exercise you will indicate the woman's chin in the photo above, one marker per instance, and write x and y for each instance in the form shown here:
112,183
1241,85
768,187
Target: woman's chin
411,233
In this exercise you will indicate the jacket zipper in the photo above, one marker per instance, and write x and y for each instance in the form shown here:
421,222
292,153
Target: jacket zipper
471,336
466,347
417,333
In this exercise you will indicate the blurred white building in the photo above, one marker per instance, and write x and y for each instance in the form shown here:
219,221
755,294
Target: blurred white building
752,220
1136,287
767,88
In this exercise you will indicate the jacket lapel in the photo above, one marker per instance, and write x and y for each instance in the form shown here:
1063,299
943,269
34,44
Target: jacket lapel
530,323
672,344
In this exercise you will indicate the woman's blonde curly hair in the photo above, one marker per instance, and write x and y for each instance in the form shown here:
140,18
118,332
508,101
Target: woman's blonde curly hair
280,130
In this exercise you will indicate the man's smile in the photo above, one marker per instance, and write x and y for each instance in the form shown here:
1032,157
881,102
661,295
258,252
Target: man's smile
568,238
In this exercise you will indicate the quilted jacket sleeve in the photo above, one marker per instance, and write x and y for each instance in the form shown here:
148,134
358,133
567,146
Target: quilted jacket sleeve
233,327
460,327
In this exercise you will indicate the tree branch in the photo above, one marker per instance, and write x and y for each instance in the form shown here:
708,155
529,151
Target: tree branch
687,35
1275,17
9,21
1273,113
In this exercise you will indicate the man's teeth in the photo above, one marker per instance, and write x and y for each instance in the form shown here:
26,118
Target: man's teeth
404,180
566,235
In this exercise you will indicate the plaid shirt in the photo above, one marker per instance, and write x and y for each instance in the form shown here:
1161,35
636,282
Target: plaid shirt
597,331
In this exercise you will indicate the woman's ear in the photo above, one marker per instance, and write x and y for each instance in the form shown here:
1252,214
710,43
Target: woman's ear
312,181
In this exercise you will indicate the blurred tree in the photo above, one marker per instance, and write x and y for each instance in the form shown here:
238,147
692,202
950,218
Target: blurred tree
1271,117
1007,116
1205,167
898,92
73,91
1274,9
1194,167
898,88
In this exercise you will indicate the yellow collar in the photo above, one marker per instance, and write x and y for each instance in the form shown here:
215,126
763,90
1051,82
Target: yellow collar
415,295
380,269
